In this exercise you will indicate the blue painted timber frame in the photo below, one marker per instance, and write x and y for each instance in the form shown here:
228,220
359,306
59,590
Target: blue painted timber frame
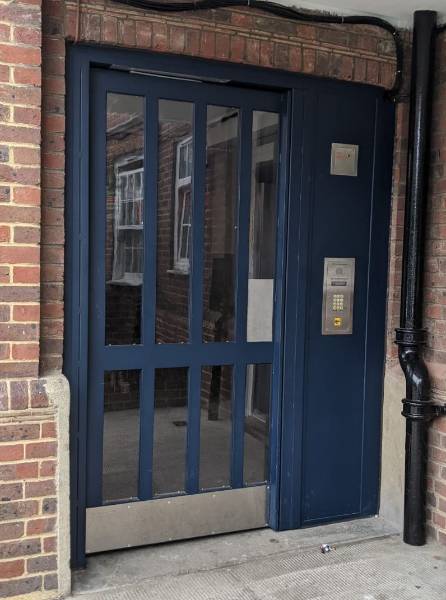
295,217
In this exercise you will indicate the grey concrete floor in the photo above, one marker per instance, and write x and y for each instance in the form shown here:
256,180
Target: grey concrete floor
369,562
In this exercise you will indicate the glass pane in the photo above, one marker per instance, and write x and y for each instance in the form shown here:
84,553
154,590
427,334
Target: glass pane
170,431
262,230
258,396
124,245
121,435
216,427
174,221
220,235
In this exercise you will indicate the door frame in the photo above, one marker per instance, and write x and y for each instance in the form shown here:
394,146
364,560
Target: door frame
293,220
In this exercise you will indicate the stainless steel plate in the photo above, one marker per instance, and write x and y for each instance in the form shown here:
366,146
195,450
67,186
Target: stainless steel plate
176,518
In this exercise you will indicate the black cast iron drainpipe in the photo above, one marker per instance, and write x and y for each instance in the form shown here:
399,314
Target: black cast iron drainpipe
410,336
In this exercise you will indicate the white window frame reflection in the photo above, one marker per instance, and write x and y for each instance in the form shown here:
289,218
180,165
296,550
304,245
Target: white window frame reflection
123,231
183,198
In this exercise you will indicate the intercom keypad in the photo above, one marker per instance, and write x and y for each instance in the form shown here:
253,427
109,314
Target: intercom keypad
338,293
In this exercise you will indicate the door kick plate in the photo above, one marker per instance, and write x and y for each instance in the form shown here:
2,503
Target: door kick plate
175,518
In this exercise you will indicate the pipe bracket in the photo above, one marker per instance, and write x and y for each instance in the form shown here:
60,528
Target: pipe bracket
410,337
420,411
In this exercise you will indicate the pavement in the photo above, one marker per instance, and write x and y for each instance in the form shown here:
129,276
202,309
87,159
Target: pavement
367,561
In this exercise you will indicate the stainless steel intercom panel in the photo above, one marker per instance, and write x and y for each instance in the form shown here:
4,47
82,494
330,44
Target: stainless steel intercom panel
338,290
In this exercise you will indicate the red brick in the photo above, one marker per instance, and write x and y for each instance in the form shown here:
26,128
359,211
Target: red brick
26,235
159,36
19,254
25,351
11,452
28,75
237,48
19,55
18,471
18,510
27,116
12,531
41,449
40,488
26,275
28,196
5,233
12,568
22,431
26,312
11,491
22,548
41,563
23,586
27,156
19,395
40,526
109,29
47,468
49,430
50,544
27,35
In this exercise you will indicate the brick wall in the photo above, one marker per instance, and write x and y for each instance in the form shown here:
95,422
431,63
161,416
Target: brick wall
28,445
435,295
32,334
28,542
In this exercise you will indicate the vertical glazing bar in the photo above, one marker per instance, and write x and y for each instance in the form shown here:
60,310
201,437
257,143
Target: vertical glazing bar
238,425
198,187
193,431
147,391
196,296
241,295
149,296
243,224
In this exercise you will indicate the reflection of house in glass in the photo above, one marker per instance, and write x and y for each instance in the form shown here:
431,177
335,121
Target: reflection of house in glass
127,216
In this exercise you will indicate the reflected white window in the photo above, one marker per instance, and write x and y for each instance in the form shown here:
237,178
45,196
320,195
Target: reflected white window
129,237
183,205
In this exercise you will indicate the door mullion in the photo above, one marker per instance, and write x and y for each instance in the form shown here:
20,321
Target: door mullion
241,295
243,224
97,308
149,297
198,183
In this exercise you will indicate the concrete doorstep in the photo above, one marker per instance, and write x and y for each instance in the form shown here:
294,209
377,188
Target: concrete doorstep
367,561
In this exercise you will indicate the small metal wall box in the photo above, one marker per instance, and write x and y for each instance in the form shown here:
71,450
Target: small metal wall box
344,160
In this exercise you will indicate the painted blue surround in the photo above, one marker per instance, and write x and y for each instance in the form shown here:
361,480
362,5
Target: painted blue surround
327,390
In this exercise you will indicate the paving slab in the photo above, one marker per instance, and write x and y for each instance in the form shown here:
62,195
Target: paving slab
369,562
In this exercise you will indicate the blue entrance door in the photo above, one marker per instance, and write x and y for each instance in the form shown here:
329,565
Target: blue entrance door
183,235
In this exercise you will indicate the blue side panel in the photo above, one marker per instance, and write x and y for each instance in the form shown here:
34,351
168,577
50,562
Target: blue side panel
343,374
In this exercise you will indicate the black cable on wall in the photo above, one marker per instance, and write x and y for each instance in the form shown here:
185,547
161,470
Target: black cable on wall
287,13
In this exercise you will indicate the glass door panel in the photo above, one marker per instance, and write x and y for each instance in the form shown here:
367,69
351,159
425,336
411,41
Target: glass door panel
183,238
216,426
120,462
170,431
262,228
124,252
174,220
220,220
